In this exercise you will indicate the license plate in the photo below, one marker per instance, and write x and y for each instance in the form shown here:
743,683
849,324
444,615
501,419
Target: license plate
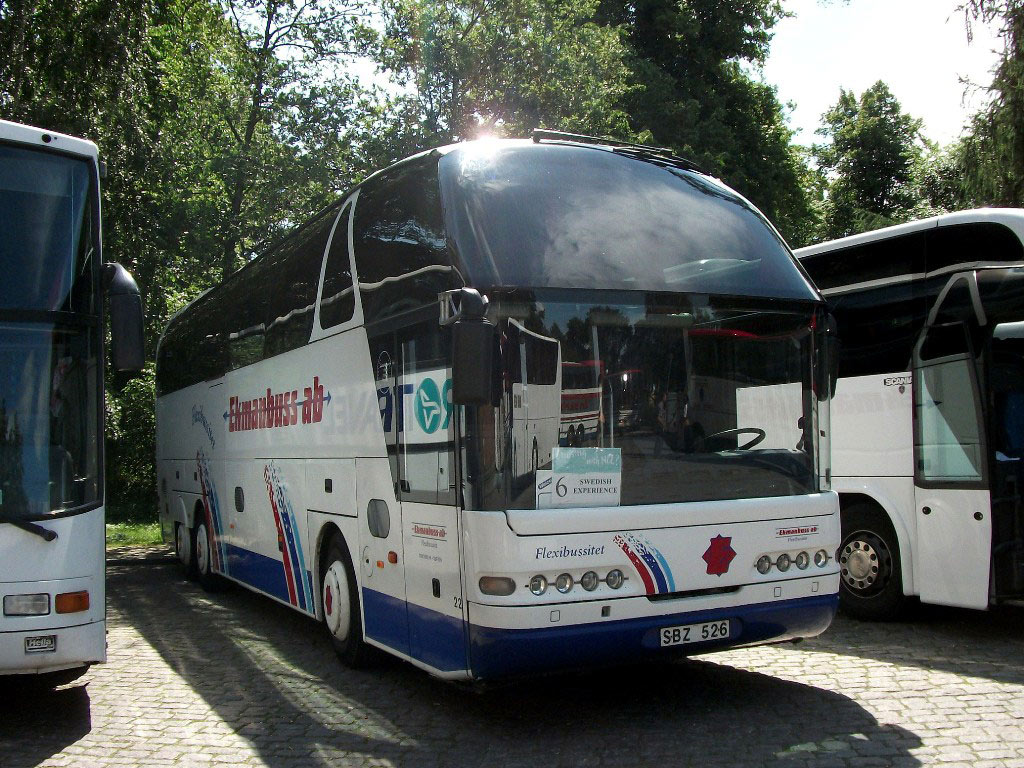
41,644
695,633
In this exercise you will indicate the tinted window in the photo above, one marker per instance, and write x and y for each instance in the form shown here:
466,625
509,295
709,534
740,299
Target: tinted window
867,263
574,217
402,258
262,310
878,328
966,243
46,244
291,294
337,302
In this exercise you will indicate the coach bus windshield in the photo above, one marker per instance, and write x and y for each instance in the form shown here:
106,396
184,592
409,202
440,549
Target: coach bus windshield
577,217
700,397
49,336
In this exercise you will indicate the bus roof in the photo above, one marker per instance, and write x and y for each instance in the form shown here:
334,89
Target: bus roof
1013,218
50,140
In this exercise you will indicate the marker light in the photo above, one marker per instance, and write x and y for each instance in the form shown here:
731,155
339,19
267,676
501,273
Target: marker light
614,579
802,561
764,564
564,583
783,562
497,585
538,585
589,581
26,605
72,602
821,558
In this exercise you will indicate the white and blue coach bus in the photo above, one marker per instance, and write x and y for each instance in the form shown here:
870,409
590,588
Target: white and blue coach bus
52,555
339,423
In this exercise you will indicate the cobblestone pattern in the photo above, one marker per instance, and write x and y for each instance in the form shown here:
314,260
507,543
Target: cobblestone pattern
234,679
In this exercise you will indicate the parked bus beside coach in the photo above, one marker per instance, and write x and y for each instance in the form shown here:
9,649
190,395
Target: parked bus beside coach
353,446
52,535
927,420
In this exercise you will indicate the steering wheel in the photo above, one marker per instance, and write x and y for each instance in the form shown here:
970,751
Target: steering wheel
757,433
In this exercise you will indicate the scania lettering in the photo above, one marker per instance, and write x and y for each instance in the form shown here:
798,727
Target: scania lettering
436,504
52,534
928,417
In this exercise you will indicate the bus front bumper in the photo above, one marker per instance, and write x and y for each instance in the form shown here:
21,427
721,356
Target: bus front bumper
28,652
502,652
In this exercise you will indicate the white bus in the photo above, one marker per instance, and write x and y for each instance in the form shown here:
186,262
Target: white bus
51,402
928,436
336,422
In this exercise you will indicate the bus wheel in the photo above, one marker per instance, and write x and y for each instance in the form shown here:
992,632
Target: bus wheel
204,558
870,579
184,550
340,600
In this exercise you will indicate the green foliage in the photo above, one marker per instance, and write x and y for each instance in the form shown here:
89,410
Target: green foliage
130,448
133,535
490,66
691,89
991,156
871,160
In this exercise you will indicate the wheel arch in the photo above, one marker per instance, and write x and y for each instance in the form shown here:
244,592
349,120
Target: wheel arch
328,532
888,508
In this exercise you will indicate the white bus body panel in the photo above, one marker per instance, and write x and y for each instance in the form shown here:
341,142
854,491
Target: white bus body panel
954,543
72,562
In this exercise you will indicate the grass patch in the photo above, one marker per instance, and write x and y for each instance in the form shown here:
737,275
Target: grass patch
133,534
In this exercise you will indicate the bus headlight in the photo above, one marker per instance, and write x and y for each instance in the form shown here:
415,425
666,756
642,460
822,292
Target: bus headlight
782,563
589,581
614,579
802,561
538,585
26,605
764,564
497,585
564,583
821,558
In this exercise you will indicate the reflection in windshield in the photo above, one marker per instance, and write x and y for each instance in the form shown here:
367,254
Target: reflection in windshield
49,409
577,217
694,398
45,248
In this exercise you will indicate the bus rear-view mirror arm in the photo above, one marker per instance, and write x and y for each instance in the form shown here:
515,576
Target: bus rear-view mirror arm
465,311
127,346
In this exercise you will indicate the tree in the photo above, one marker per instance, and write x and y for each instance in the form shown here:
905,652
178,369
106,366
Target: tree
871,159
476,66
691,90
991,156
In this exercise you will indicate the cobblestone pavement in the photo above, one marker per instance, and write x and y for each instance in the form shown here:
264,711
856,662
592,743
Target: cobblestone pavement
198,680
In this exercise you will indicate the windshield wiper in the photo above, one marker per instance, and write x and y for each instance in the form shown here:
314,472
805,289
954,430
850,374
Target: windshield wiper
38,530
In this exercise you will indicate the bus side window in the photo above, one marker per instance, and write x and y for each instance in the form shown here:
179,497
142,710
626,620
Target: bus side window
337,300
291,288
402,256
425,436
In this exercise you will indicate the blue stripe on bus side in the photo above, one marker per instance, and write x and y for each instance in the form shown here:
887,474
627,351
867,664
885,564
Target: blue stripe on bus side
259,572
497,653
436,639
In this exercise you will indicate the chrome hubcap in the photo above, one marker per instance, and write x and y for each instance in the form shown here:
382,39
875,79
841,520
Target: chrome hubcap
865,563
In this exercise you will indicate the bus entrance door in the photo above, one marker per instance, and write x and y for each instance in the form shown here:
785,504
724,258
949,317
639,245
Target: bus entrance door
954,529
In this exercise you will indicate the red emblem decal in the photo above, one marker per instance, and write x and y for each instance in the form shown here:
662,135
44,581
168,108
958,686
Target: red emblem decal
719,555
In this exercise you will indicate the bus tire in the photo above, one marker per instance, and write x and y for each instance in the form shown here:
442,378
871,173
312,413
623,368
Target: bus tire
339,597
201,545
870,575
184,550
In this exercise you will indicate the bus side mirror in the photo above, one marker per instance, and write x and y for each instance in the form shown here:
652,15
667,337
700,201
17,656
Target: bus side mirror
127,346
472,361
465,310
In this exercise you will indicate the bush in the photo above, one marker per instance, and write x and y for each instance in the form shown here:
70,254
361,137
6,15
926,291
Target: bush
131,449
